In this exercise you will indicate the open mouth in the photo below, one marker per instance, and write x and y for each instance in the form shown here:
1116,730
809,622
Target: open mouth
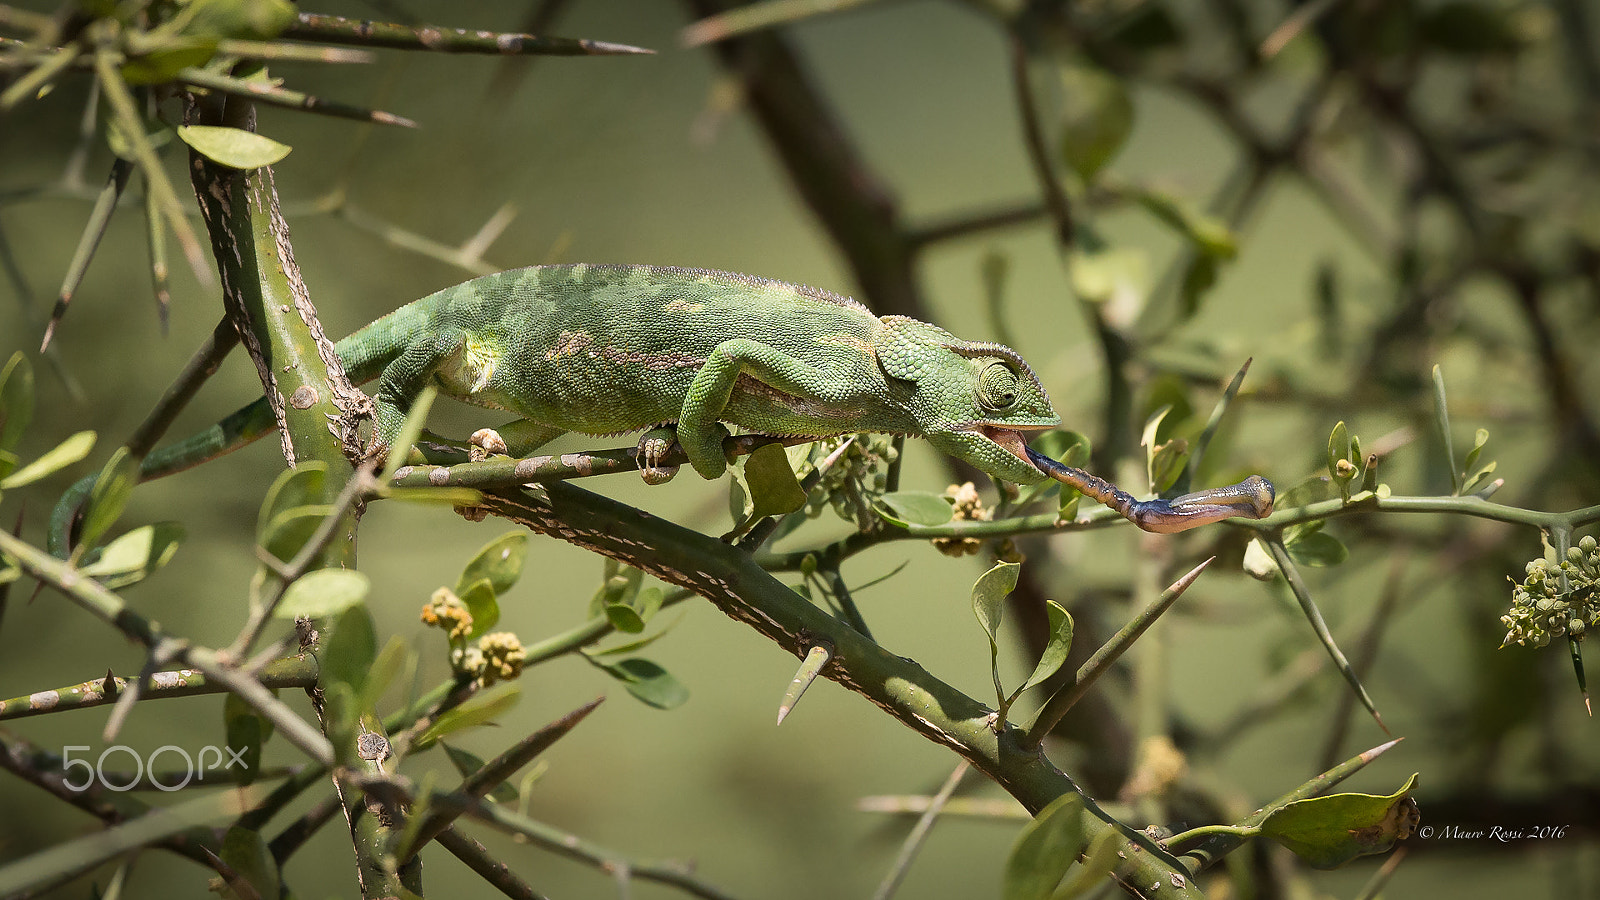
1014,440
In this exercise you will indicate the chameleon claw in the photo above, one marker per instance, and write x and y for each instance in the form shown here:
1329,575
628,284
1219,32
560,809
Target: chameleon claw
654,447
1251,498
810,668
485,442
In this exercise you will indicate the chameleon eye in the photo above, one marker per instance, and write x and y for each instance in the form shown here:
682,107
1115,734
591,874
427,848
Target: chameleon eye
997,387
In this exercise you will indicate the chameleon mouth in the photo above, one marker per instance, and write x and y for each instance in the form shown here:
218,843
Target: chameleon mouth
1014,440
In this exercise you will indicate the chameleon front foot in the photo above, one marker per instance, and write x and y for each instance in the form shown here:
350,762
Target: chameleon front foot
1251,498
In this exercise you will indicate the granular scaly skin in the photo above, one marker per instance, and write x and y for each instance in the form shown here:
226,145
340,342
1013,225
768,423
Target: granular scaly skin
610,349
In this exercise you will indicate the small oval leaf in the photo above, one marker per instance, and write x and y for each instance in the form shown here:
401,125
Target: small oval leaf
348,648
233,147
480,709
1318,549
16,400
132,557
65,454
1056,650
325,592
299,486
989,596
649,682
915,508
481,601
1096,117
774,491
109,496
1328,832
500,561
1044,850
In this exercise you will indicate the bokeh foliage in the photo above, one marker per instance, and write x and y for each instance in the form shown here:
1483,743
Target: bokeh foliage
1373,200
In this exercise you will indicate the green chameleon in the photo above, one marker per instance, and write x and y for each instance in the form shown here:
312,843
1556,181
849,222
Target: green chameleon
603,349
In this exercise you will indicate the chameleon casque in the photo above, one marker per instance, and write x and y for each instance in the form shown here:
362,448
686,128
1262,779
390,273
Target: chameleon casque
608,349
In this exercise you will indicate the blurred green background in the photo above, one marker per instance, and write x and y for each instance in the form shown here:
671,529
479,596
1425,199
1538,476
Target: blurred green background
632,160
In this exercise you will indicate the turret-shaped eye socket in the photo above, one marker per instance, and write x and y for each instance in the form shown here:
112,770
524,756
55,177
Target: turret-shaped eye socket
997,387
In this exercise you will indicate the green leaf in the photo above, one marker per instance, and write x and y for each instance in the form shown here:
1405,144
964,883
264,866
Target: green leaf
251,861
1164,460
624,618
468,765
16,401
1107,273
738,497
1441,419
164,60
109,496
1068,447
233,147
1317,548
1199,277
349,646
258,20
1338,449
292,529
299,486
410,430
1478,478
1478,440
619,584
915,508
774,491
1209,235
134,556
246,731
647,681
500,561
1314,489
989,596
157,134
1102,857
1328,832
478,710
634,645
482,602
325,592
394,657
1056,649
1165,463
1044,850
1096,117
65,454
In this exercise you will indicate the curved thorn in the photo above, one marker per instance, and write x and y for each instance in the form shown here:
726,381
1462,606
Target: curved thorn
810,668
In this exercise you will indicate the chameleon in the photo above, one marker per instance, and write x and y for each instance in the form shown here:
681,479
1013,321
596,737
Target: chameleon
679,352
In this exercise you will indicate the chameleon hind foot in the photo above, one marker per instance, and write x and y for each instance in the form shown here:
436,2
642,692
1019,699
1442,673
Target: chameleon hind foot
484,443
654,447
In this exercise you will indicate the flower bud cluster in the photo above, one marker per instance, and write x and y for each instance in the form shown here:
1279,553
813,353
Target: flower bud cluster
968,507
854,480
446,611
1541,610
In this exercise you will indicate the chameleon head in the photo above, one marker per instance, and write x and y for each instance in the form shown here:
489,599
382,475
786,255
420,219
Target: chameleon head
975,401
